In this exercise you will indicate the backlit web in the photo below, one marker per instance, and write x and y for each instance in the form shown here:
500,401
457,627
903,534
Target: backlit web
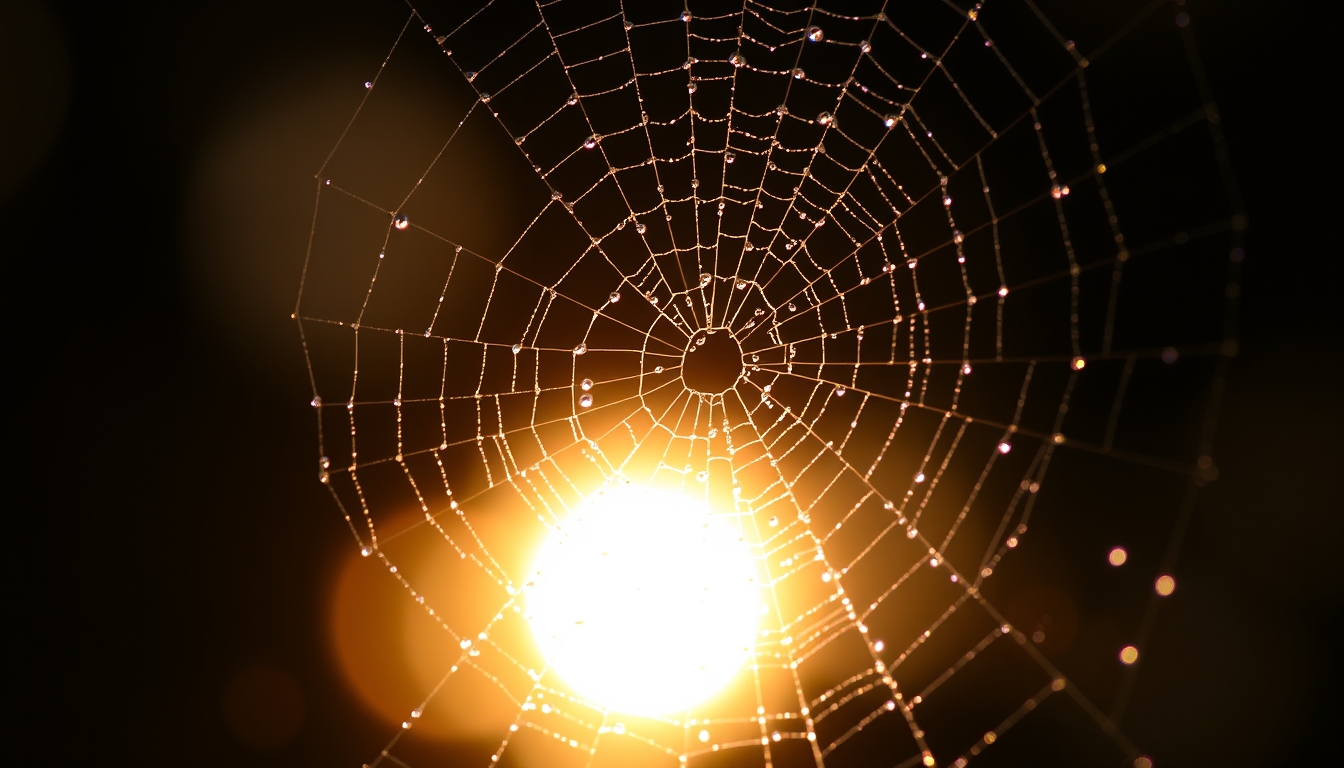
920,253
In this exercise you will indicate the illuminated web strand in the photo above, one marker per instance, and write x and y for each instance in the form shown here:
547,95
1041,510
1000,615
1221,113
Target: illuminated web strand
995,136
915,732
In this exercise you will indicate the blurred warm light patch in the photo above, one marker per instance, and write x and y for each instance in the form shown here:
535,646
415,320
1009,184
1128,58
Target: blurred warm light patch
1165,585
391,653
1118,556
643,601
1129,654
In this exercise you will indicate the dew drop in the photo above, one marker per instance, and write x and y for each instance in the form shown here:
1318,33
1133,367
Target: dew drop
814,34
585,400
586,384
400,221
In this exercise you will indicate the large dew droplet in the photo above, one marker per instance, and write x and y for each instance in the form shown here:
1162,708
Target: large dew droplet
585,400
815,34
400,221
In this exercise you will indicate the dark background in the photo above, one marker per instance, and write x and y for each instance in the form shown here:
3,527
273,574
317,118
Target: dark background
165,534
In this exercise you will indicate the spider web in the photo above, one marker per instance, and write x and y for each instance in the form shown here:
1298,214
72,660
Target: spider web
911,219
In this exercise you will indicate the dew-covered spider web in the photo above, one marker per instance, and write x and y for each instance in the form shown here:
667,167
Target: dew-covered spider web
930,301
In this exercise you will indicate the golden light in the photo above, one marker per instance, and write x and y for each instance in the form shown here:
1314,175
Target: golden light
1165,585
1118,556
1129,654
643,601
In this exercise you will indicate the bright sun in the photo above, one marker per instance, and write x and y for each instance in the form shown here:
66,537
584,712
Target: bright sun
643,602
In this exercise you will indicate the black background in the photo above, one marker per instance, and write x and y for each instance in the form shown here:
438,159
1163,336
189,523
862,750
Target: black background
163,530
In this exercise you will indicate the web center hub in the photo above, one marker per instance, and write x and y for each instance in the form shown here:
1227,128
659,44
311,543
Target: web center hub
712,362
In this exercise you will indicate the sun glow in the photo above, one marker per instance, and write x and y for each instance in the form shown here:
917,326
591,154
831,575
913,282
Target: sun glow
643,601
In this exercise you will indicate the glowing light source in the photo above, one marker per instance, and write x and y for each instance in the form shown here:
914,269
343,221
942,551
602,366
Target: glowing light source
643,601
1118,556
1129,654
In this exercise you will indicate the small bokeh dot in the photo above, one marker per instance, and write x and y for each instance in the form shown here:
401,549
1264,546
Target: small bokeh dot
1165,585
